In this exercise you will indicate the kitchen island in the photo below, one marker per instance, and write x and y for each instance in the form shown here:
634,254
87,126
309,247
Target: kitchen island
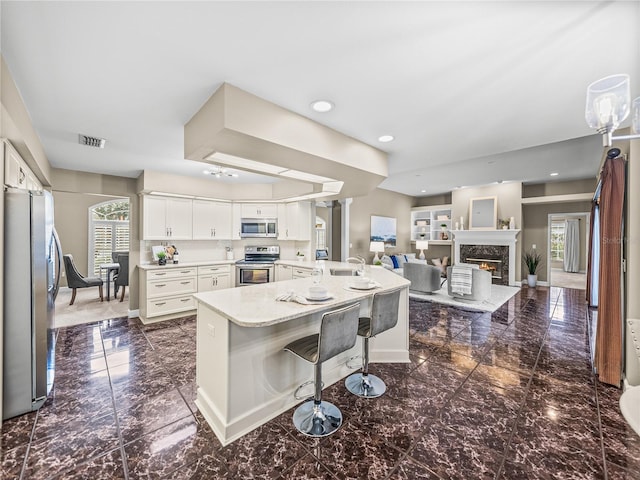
243,376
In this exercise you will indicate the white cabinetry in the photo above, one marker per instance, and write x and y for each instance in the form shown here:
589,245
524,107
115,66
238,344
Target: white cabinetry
166,218
167,293
426,223
294,221
16,172
301,272
214,277
258,210
284,272
236,219
211,220
289,272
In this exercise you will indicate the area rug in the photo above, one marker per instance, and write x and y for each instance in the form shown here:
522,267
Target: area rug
87,307
499,295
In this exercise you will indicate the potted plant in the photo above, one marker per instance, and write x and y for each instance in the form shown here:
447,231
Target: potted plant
300,256
532,260
162,258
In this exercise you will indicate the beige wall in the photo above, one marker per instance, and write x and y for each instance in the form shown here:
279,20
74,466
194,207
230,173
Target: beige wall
72,225
632,364
585,185
384,203
509,197
88,189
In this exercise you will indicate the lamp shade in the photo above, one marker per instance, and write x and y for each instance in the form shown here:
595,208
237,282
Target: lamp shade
422,244
376,247
608,102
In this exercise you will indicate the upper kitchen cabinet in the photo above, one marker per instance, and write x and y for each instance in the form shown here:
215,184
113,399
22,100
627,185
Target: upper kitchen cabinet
166,218
294,221
16,172
211,220
258,210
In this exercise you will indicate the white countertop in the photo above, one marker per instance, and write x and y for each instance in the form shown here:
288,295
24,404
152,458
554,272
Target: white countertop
155,266
256,305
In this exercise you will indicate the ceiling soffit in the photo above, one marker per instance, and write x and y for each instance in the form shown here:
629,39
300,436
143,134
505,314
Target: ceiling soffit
235,122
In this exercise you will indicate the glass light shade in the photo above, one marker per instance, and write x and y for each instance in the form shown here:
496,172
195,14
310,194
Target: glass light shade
376,247
635,115
608,102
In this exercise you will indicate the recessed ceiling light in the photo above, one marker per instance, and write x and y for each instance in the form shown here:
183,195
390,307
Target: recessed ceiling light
423,191
322,106
554,174
386,138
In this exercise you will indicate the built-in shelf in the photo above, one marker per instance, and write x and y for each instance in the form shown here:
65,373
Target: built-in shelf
426,225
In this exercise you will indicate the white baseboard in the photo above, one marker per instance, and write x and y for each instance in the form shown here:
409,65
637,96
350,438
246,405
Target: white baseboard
133,313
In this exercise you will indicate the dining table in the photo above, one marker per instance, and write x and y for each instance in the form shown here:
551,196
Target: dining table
110,268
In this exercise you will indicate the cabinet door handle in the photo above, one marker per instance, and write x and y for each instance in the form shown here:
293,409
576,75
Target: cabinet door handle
160,304
212,232
159,274
185,283
185,299
160,285
185,271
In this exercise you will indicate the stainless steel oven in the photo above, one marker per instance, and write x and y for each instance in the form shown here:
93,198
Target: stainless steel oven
258,265
251,274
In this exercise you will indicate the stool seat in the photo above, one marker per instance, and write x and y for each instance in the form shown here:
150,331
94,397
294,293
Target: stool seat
338,333
306,348
384,316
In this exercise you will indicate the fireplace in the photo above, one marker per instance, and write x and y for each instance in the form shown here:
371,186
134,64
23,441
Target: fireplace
493,258
494,250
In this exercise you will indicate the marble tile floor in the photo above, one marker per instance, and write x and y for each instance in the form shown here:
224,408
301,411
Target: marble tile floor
505,395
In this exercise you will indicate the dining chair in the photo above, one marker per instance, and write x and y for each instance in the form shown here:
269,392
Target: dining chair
75,280
121,279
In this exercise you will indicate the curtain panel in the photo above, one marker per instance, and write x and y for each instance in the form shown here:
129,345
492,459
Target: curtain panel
571,261
608,357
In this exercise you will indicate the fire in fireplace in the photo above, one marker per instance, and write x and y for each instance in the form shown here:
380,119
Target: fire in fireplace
494,258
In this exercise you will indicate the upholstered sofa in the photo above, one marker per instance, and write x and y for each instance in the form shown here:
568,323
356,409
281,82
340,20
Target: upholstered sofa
424,278
480,286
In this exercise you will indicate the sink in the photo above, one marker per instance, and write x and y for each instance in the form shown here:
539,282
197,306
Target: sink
344,272
630,407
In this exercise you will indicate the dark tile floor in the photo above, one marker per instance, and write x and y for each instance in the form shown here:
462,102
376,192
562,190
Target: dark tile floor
507,395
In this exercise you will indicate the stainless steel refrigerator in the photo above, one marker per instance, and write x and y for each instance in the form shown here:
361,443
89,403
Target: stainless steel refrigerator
31,279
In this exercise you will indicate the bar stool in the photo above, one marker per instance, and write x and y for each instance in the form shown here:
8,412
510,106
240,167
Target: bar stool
384,315
338,333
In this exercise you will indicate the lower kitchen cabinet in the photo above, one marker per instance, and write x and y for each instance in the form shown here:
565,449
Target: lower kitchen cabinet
214,277
167,292
289,272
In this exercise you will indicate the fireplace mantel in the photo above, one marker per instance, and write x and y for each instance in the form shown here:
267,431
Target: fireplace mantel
489,237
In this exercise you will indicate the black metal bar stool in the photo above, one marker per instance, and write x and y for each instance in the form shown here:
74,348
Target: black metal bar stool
384,315
338,333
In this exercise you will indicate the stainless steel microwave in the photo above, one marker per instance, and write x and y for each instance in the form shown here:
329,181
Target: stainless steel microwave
258,228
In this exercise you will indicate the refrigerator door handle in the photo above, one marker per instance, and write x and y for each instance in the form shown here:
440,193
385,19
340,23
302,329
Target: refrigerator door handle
56,286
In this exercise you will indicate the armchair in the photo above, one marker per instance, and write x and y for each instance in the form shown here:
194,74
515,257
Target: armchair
75,280
424,278
480,286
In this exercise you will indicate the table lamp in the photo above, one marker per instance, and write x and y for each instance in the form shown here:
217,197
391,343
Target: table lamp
376,247
422,245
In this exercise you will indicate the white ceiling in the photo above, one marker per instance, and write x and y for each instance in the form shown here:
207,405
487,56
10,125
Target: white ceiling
474,92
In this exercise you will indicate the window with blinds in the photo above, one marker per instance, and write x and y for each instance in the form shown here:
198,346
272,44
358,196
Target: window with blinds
109,232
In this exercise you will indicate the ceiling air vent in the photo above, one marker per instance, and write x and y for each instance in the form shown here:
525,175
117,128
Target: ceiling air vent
91,141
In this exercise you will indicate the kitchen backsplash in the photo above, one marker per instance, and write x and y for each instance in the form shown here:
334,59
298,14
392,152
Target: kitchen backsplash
203,250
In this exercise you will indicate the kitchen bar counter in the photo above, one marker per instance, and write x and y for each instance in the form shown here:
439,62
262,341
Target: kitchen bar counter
243,376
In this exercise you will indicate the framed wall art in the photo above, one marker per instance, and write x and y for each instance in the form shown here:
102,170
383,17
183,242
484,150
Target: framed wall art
383,229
